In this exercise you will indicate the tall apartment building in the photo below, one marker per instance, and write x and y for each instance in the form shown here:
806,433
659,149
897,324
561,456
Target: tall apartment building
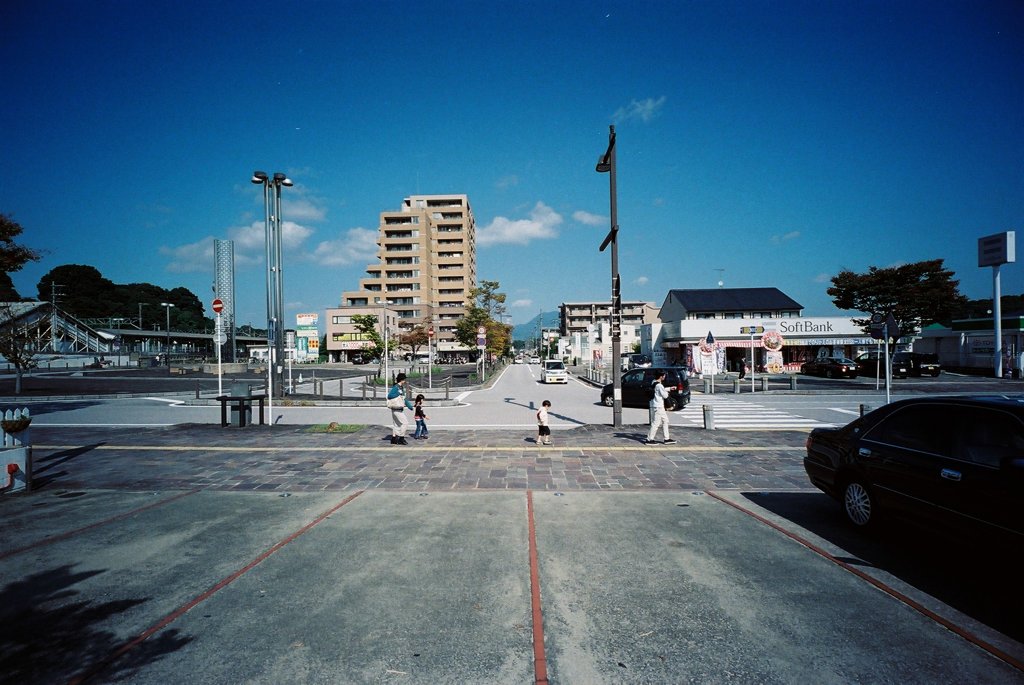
426,266
574,317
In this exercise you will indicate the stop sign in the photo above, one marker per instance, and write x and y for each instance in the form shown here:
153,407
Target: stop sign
218,305
430,332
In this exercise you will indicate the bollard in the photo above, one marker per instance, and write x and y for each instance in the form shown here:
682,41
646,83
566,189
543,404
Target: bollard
864,409
707,386
736,385
792,382
709,417
764,383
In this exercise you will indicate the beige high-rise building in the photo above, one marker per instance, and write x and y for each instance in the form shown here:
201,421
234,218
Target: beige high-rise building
426,267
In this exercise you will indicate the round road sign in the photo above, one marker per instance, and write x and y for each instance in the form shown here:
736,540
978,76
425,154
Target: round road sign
218,305
220,338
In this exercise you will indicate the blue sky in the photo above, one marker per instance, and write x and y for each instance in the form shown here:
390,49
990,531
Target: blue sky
760,143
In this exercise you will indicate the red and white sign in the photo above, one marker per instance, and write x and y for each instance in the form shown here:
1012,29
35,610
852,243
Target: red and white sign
218,305
430,332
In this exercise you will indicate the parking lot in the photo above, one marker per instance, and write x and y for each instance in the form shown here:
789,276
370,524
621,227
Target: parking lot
209,555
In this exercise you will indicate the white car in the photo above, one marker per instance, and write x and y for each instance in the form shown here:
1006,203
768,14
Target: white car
535,360
554,372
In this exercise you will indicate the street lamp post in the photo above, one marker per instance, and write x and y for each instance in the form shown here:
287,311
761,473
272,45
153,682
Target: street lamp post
606,164
167,353
275,276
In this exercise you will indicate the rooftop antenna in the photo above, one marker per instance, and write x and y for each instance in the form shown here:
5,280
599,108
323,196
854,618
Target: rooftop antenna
721,283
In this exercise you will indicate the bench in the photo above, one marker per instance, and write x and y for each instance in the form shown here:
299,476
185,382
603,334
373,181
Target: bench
242,404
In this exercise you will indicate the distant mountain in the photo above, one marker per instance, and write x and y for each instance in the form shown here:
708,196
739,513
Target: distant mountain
528,330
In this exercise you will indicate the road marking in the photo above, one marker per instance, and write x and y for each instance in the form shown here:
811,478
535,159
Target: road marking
528,447
845,411
892,592
104,663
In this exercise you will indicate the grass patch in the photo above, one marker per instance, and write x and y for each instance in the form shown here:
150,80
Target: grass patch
334,427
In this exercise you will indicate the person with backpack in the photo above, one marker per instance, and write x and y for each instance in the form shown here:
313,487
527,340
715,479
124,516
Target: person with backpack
659,417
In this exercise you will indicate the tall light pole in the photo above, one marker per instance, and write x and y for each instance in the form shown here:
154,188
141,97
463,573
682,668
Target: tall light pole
606,164
167,307
275,277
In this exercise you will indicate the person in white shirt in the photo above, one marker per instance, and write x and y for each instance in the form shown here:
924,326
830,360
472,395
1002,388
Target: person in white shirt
659,417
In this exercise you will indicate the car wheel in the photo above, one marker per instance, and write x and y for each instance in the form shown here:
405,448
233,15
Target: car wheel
830,373
935,374
607,401
859,505
671,404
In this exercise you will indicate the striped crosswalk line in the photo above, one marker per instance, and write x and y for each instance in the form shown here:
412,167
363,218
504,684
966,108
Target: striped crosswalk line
738,414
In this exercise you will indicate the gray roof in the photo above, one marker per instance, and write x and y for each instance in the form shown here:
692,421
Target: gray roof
727,300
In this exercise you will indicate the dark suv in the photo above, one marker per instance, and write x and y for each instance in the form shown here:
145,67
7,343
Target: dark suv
921,363
638,384
868,364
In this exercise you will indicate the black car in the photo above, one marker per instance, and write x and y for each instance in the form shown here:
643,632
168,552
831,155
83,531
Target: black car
873,364
921,363
830,367
638,384
955,461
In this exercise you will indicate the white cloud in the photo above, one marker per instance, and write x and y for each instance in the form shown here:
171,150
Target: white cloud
249,247
786,237
644,110
303,209
357,246
522,303
822,278
589,219
506,182
190,258
542,225
641,280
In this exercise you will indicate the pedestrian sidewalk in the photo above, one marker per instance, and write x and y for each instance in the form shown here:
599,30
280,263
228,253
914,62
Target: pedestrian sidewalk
293,458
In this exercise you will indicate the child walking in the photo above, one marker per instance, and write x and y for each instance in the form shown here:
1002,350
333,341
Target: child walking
543,429
421,419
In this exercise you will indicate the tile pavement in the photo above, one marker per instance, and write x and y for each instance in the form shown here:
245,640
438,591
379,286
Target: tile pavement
292,458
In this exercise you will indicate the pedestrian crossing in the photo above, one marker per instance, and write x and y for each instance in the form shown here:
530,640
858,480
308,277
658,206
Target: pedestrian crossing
737,414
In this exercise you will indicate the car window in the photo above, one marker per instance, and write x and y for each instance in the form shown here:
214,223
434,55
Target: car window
989,436
925,428
633,377
554,366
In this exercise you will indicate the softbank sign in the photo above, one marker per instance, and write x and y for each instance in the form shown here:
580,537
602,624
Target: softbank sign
812,326
806,327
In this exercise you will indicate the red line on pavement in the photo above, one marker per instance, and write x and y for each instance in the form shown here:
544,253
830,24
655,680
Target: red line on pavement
76,531
101,665
892,592
540,662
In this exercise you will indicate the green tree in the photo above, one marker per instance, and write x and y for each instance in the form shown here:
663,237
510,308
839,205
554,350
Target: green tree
366,324
414,338
12,255
8,293
915,294
17,345
486,309
85,293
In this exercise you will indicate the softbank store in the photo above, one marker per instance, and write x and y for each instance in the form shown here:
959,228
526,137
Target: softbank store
778,345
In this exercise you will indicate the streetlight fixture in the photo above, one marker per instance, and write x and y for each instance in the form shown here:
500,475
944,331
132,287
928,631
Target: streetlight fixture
167,307
606,165
275,276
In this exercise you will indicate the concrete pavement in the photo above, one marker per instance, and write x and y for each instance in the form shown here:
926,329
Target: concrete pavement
277,555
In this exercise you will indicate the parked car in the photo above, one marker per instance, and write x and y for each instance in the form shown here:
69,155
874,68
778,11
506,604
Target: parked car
638,384
830,367
636,361
921,363
873,364
535,360
955,461
554,372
